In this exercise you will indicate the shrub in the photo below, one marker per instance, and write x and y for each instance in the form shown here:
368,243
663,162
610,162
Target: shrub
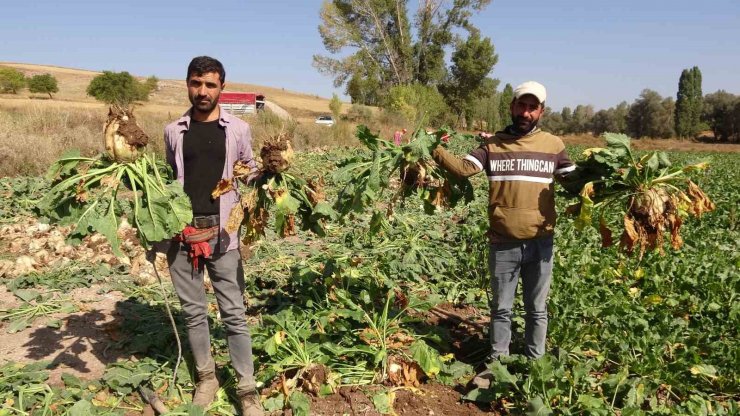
360,114
11,80
335,105
43,84
417,104
117,88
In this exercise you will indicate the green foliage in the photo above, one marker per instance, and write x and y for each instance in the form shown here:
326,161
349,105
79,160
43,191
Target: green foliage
651,116
360,114
119,88
363,86
34,305
20,196
64,278
482,110
44,84
151,83
626,336
419,105
335,106
85,193
504,105
613,182
584,120
472,60
722,114
581,121
552,122
365,179
384,44
689,101
11,80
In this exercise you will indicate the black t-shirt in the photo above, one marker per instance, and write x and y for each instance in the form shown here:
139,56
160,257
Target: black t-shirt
204,157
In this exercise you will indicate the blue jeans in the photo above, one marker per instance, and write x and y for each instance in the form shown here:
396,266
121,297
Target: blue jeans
532,259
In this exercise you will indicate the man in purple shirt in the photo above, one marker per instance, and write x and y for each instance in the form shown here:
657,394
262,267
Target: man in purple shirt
202,147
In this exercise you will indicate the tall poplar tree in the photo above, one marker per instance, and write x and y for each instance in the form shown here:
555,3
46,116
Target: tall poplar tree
689,100
504,104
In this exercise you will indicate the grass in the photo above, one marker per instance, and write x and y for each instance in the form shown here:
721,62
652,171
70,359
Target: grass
35,133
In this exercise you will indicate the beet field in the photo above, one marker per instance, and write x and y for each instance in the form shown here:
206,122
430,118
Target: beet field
384,311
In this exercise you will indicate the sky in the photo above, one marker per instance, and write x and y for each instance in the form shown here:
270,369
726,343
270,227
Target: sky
595,52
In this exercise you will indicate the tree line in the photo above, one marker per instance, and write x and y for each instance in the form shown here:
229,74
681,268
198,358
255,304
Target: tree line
654,116
109,87
12,81
394,55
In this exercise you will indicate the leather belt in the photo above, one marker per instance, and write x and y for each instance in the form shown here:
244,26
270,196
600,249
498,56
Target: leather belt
205,221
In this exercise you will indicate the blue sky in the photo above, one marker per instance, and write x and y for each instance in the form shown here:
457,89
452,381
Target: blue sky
586,52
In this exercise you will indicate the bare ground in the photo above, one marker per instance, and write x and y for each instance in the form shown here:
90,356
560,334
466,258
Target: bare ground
688,145
80,346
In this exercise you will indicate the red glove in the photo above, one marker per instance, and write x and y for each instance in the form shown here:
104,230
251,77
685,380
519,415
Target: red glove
198,239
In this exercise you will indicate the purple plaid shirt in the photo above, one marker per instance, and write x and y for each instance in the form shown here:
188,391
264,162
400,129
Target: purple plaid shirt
238,147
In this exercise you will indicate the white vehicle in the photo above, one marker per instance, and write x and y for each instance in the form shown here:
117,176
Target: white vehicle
324,120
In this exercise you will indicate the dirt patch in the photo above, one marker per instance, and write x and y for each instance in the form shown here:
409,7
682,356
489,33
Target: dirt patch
428,400
80,346
7,299
467,328
657,144
434,399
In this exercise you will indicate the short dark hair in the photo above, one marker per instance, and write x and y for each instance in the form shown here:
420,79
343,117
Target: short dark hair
203,64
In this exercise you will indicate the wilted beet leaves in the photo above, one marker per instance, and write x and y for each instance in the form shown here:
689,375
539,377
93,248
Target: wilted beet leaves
653,196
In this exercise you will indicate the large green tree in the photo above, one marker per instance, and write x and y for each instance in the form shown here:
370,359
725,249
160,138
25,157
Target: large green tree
472,61
504,105
43,84
613,120
651,116
11,80
417,103
117,88
377,44
552,121
581,121
689,103
722,114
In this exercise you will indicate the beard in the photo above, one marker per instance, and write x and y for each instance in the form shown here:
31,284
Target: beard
523,125
204,104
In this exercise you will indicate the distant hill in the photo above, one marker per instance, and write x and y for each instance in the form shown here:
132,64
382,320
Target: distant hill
171,95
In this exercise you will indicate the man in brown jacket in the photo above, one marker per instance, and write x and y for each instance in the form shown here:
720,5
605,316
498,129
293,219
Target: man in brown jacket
521,163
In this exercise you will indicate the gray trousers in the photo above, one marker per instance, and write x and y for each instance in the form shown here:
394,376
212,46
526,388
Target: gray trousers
532,259
227,277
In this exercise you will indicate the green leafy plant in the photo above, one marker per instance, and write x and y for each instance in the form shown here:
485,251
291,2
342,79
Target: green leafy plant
271,186
366,178
35,305
651,194
94,194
